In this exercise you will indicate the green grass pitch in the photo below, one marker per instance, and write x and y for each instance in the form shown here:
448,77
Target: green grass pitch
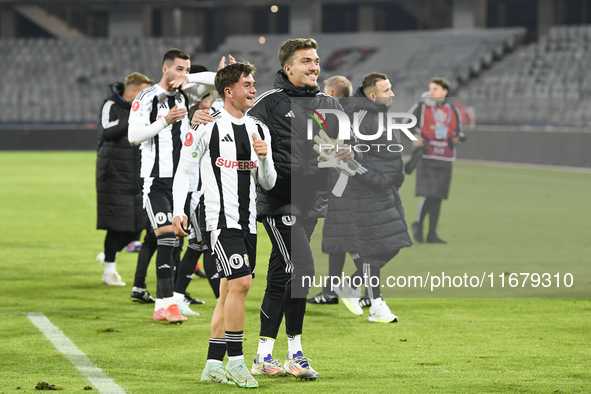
497,217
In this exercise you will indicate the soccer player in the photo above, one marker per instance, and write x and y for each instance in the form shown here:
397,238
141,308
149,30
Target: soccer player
439,131
233,154
119,207
158,120
291,209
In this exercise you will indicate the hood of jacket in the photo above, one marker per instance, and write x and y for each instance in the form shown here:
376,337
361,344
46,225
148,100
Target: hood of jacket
117,90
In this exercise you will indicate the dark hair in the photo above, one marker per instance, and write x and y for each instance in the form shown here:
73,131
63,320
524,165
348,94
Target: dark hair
231,74
444,83
175,53
289,48
198,68
371,79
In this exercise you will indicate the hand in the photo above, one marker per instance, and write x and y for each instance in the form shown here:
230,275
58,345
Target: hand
260,146
419,143
223,61
344,153
175,114
456,141
178,226
328,157
180,82
201,116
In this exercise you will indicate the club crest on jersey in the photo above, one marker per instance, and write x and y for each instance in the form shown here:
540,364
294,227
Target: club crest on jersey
288,220
189,139
240,165
236,261
160,217
135,106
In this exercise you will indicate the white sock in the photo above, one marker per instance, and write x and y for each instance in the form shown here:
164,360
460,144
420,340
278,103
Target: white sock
178,296
168,301
265,348
110,268
294,345
159,304
234,358
138,289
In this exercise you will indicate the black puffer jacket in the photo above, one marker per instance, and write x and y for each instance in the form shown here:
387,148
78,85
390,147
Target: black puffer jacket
119,200
301,188
381,223
337,234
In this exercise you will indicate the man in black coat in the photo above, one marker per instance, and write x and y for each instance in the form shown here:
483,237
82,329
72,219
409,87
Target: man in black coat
438,132
119,201
375,201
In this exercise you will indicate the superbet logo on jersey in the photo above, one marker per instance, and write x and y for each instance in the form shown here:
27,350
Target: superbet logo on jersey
189,139
135,106
241,165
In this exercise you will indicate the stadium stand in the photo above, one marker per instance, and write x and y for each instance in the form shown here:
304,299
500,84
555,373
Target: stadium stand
543,83
64,81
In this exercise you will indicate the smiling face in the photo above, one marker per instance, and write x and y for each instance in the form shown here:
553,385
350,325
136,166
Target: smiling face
242,93
304,68
381,93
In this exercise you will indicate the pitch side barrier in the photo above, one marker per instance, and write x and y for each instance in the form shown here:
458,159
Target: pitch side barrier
382,134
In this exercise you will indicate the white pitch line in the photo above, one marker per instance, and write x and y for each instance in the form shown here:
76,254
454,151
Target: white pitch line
94,374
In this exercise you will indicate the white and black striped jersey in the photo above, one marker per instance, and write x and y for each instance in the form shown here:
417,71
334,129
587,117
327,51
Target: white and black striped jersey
229,168
160,154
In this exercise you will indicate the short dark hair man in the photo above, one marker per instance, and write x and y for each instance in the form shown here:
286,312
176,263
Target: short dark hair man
158,121
439,130
291,209
232,153
375,201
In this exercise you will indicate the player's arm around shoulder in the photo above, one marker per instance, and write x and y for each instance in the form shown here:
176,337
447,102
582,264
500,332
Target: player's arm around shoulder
140,129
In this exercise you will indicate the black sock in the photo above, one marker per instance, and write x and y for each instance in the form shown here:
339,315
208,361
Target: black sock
148,249
217,349
164,273
234,341
336,262
295,309
176,257
186,270
212,273
115,241
434,215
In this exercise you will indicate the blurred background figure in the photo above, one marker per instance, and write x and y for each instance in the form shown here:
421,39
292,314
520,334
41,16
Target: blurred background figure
119,200
438,132
337,238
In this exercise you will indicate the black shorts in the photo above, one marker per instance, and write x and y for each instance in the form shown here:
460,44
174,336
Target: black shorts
157,194
235,252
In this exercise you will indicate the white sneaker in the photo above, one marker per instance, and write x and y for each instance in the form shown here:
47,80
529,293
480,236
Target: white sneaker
101,258
185,308
350,298
113,279
379,312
